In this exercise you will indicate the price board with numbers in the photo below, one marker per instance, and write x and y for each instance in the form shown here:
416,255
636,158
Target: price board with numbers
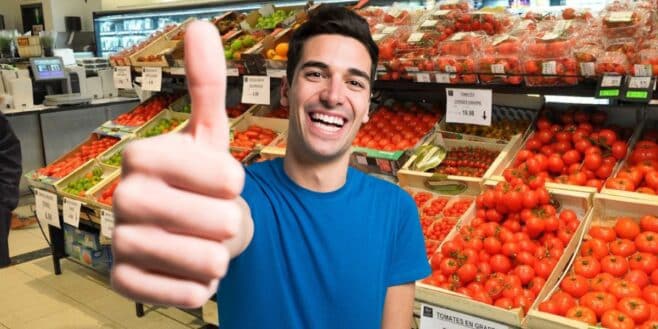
122,77
107,223
152,79
471,106
256,89
46,204
71,210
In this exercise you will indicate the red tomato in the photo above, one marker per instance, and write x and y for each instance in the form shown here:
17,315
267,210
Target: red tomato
640,278
622,247
627,228
583,314
614,265
636,308
623,288
563,302
647,242
601,282
650,294
549,306
614,319
594,247
649,223
606,234
575,285
500,263
643,261
599,302
587,267
467,273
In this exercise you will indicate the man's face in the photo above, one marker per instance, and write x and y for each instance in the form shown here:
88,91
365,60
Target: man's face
329,97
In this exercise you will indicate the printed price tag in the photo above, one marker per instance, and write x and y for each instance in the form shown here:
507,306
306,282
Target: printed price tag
611,81
177,71
429,23
441,13
256,90
450,2
394,12
450,69
469,106
435,317
620,17
378,37
46,203
423,77
152,78
362,160
587,69
276,73
72,212
548,68
639,83
232,71
442,77
389,29
497,68
415,37
122,77
411,69
642,70
107,223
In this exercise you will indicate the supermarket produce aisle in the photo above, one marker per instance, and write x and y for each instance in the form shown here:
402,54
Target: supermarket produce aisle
32,296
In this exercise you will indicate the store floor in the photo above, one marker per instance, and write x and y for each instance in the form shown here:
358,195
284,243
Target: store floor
32,296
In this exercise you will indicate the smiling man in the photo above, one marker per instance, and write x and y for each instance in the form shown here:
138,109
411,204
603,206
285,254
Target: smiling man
309,242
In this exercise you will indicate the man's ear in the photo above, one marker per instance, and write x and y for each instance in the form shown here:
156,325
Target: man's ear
366,117
285,88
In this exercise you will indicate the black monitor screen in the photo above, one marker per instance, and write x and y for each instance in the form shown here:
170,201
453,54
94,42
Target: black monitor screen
47,68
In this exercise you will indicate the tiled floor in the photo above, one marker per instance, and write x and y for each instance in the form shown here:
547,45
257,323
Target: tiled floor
32,296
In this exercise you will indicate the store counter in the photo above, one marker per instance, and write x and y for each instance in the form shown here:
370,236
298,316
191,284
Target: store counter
47,132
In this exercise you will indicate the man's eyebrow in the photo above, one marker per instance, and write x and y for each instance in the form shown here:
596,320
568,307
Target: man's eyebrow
321,65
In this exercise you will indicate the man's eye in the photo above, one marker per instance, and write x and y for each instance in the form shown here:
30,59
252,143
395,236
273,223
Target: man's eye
313,74
356,84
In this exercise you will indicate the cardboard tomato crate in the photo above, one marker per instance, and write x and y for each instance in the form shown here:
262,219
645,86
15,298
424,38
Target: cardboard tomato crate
276,125
97,191
183,119
641,129
521,118
502,149
154,54
106,173
606,208
113,151
277,149
615,116
577,201
39,180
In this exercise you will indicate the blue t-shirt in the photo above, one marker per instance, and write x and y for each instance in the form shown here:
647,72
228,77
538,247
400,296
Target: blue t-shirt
320,260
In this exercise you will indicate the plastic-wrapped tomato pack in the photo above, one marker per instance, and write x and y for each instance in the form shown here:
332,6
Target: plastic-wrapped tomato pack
549,60
647,63
458,56
500,62
612,62
586,57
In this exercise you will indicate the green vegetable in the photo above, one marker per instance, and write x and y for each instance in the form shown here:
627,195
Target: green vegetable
114,160
83,184
163,126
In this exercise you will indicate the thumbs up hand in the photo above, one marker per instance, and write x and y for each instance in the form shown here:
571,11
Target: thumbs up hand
179,217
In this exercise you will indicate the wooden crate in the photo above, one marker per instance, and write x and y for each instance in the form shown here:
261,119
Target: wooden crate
166,114
606,209
161,47
511,147
277,125
61,185
96,192
578,201
277,149
626,194
117,148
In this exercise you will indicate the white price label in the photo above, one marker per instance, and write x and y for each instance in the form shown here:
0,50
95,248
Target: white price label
450,2
412,69
459,36
395,12
232,71
642,70
611,81
256,90
442,77
469,106
441,13
429,23
152,79
46,203
435,317
362,160
548,68
415,37
639,83
390,29
72,212
276,73
107,223
450,69
620,17
122,77
587,69
378,37
550,36
498,68
177,70
423,77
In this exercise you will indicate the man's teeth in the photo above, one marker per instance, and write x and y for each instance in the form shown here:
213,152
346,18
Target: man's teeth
328,119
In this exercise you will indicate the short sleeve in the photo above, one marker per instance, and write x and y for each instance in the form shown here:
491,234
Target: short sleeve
409,262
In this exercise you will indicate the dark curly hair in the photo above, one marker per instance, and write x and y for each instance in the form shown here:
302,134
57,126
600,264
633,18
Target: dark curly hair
330,19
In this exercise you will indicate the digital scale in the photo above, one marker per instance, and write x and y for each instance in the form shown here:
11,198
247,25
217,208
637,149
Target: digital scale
60,85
